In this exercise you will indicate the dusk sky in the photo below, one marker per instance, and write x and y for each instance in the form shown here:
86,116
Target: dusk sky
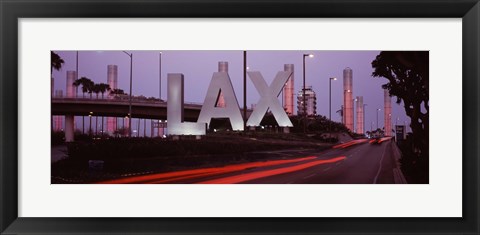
198,68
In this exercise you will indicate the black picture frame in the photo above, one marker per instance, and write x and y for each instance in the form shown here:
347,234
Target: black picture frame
12,10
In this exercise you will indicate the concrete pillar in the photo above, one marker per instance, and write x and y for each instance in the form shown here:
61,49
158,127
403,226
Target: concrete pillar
387,113
69,128
112,80
69,119
348,97
58,120
152,129
360,116
288,90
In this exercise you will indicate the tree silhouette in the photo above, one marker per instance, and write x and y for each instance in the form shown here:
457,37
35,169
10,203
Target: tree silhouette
96,89
408,75
117,92
56,62
87,85
103,88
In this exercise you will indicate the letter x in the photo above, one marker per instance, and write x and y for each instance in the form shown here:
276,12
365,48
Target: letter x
268,99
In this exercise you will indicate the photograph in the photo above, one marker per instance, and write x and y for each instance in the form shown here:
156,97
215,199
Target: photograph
239,117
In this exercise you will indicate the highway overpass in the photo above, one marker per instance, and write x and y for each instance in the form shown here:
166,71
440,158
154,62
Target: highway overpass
141,108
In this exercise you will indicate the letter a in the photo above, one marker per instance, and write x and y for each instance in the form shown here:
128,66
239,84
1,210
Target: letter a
221,82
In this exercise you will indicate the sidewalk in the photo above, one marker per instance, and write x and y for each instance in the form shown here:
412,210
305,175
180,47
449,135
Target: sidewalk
397,173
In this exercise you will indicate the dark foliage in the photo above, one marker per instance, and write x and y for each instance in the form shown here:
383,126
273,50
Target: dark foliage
414,166
408,76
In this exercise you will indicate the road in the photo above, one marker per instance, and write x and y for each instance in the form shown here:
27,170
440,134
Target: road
355,162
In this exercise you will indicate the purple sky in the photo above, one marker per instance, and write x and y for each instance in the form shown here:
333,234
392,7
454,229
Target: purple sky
198,67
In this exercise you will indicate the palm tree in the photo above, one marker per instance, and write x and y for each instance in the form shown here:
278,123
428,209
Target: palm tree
90,86
104,88
86,83
86,87
56,62
117,92
95,89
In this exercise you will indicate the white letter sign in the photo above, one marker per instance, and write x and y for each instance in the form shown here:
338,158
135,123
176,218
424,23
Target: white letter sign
176,126
268,99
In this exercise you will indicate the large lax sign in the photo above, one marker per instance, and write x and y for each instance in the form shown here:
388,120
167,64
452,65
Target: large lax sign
221,82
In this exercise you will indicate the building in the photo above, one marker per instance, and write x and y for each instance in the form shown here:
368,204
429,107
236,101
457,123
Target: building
348,98
58,120
310,101
288,91
112,81
360,115
71,93
387,113
222,67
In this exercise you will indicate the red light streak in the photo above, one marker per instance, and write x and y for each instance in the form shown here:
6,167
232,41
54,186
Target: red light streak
188,174
350,143
384,139
262,174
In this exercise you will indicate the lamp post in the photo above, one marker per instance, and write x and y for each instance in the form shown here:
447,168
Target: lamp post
330,98
130,95
245,90
90,123
364,112
160,76
377,117
303,95
76,95
354,104
389,123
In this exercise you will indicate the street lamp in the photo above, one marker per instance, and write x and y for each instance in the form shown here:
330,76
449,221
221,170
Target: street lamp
354,104
304,102
364,114
245,68
90,123
130,95
377,117
160,76
330,99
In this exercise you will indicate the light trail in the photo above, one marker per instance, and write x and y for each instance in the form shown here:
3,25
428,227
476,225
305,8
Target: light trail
188,174
350,143
262,174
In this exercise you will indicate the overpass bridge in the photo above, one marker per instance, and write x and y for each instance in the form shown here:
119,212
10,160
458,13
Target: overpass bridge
141,108
147,109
